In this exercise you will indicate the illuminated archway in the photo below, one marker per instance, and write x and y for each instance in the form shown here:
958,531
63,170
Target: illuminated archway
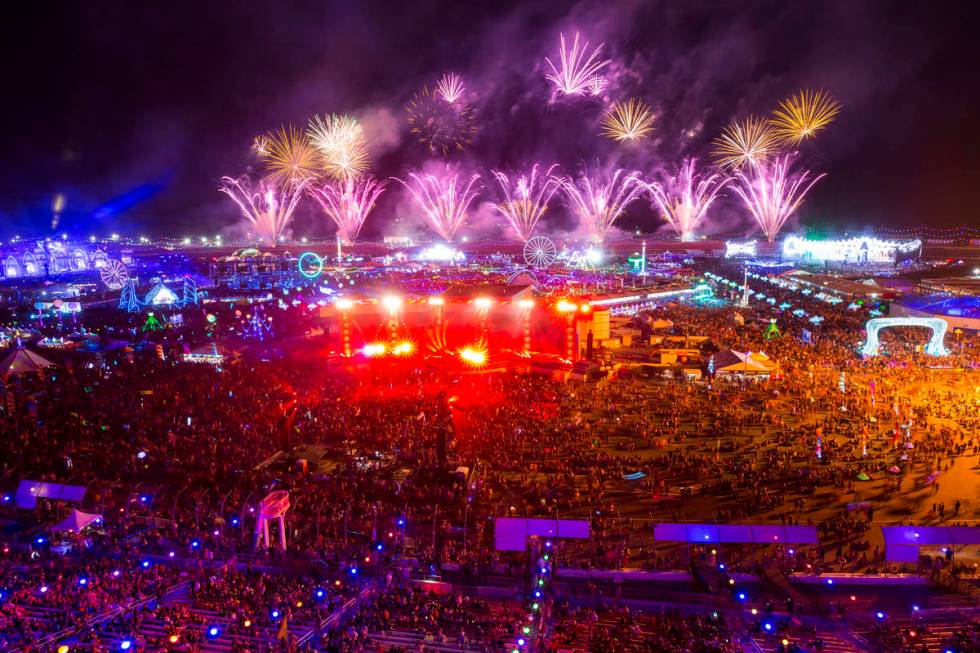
12,267
935,346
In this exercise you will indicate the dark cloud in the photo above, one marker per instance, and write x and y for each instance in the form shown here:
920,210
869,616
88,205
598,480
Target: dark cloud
103,98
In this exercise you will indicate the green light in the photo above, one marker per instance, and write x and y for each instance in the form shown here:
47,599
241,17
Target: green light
540,581
534,606
546,556
527,630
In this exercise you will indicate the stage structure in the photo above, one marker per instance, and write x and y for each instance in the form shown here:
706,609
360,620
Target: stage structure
273,506
935,346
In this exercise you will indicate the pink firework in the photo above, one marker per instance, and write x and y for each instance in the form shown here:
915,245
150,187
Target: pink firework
597,84
684,198
525,199
450,87
599,204
771,193
444,199
267,206
575,72
348,203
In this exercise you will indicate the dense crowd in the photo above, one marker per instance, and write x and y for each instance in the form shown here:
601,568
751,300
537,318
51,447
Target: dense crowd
176,457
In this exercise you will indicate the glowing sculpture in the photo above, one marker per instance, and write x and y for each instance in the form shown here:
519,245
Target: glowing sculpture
852,250
273,506
935,346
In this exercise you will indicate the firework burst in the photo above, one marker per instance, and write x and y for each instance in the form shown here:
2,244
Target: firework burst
450,87
444,199
750,141
684,198
628,121
599,204
772,193
575,70
267,206
801,116
597,84
260,145
348,203
289,156
340,141
525,199
441,126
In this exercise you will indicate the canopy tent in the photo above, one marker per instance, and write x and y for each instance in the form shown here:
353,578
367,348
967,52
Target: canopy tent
76,521
511,534
662,324
23,361
736,533
28,492
751,363
902,542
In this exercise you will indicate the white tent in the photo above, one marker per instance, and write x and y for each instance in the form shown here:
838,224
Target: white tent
76,521
23,361
748,363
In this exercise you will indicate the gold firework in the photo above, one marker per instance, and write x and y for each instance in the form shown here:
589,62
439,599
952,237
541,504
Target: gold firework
440,125
628,121
749,141
340,141
289,157
801,116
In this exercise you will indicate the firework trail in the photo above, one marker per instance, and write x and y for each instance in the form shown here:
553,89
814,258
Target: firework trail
628,121
525,199
289,156
771,193
575,70
268,206
341,144
684,198
348,203
600,204
444,199
750,141
440,125
801,116
450,87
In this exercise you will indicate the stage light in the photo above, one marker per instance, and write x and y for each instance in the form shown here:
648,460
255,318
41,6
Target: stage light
566,307
526,303
344,304
436,301
125,644
374,349
391,303
483,302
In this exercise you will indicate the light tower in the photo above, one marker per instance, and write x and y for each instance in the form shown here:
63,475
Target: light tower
343,307
526,307
569,309
483,305
392,304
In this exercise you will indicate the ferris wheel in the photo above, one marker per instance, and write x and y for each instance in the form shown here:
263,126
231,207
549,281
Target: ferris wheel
114,274
540,252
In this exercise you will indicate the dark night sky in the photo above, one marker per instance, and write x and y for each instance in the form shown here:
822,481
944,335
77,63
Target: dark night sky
135,109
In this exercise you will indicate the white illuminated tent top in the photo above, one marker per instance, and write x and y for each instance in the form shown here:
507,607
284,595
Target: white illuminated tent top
23,361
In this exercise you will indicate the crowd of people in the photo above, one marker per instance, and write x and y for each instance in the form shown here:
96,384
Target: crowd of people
402,470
